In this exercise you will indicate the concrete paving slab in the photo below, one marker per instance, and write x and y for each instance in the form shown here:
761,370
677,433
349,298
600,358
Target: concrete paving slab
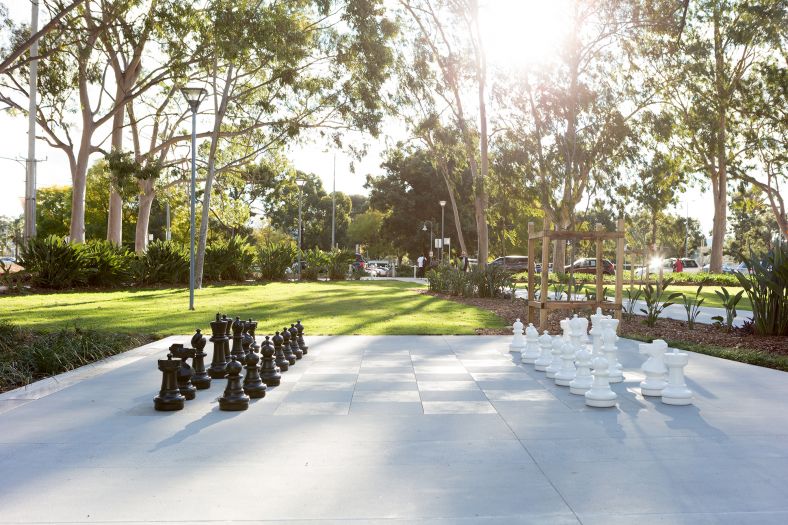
362,435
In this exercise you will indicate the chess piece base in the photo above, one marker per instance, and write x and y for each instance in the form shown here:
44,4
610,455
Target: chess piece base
678,396
550,374
255,392
217,373
234,405
652,390
540,368
202,383
272,381
616,379
601,403
189,392
516,348
562,381
578,391
528,360
168,405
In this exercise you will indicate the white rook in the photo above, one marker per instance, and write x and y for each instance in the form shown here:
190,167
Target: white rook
676,391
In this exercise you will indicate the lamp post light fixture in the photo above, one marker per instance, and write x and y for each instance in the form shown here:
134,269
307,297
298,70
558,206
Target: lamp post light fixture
443,237
193,95
300,182
424,229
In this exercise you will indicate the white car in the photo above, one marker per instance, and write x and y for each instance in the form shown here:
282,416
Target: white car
378,268
690,266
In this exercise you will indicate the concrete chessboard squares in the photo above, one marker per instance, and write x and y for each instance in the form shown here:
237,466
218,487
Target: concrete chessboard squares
452,430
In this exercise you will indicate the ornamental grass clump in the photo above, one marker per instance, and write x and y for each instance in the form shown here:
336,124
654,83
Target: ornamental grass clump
229,260
54,263
767,287
273,259
656,302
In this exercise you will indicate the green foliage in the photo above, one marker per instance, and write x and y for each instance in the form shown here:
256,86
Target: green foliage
317,262
229,260
767,288
634,295
274,258
107,264
26,355
163,262
729,302
692,306
656,302
489,282
53,262
53,211
338,263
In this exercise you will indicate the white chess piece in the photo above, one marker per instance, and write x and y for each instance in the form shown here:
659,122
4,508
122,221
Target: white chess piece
545,355
600,395
654,367
567,372
555,363
609,339
583,378
578,329
596,331
518,342
565,334
531,352
676,391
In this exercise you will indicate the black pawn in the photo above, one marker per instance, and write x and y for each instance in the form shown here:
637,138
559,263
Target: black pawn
228,323
201,380
269,372
238,337
185,371
281,361
294,342
301,343
169,397
253,384
289,355
252,328
234,397
247,339
219,340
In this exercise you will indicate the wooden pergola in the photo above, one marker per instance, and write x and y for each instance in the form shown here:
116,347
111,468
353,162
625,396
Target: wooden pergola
598,236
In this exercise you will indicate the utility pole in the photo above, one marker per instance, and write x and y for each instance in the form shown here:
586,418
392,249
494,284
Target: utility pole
30,182
334,206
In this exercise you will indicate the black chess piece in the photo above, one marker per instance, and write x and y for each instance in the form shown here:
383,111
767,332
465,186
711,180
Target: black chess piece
289,355
301,343
252,328
269,372
169,397
220,343
238,337
254,386
227,326
200,379
185,385
246,338
294,342
234,397
281,361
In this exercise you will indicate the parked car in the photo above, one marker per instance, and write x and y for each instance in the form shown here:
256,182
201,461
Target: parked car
588,265
690,266
378,268
512,263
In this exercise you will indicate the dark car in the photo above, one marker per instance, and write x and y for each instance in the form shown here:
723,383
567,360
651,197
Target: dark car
512,263
588,265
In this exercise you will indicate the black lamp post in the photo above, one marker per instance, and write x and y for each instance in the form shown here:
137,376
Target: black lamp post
193,95
443,236
300,182
424,229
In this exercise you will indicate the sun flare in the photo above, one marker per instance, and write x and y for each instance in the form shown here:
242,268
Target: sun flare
521,33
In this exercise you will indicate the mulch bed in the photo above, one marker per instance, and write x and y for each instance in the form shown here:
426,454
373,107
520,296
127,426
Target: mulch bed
667,329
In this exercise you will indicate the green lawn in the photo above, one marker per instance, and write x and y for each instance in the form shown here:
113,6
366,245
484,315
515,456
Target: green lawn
336,308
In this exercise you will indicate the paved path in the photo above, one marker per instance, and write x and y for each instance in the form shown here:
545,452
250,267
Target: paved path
409,429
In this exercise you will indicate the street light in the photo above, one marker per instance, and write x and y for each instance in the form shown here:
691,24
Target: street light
443,237
424,229
300,182
193,95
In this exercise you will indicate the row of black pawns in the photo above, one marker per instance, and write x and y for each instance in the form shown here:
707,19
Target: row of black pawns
263,363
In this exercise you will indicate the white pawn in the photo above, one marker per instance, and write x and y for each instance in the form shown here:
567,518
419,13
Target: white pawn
567,373
583,378
596,331
518,342
555,363
654,367
676,391
600,395
545,356
531,352
577,331
565,329
609,339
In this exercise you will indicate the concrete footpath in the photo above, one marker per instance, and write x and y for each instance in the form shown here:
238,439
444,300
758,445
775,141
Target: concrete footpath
397,429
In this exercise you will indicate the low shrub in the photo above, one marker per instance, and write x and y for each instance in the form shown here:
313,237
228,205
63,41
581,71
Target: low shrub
107,264
492,281
338,263
274,258
54,263
729,302
26,355
317,262
767,288
228,260
656,302
163,262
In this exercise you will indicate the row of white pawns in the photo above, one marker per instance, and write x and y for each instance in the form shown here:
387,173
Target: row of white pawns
569,362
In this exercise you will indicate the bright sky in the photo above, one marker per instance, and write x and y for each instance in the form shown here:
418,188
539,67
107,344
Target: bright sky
517,33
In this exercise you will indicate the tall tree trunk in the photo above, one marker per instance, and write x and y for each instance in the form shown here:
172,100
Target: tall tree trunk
79,183
146,198
450,189
719,179
480,200
115,216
